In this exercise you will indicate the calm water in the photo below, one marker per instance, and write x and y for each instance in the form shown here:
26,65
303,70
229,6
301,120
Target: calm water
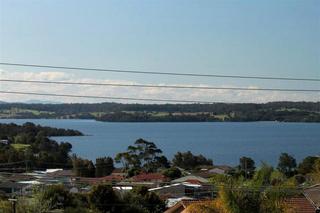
225,143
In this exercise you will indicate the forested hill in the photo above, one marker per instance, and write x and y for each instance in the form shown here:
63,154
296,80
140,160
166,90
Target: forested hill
11,130
30,146
115,112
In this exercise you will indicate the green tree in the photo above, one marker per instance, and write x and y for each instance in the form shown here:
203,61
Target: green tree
238,199
143,155
307,164
262,176
83,167
287,164
172,173
104,199
149,201
104,166
246,167
187,160
51,197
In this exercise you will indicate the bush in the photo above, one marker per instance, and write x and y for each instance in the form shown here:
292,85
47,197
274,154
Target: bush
172,173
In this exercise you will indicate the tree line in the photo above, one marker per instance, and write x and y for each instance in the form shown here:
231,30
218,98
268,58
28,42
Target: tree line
117,112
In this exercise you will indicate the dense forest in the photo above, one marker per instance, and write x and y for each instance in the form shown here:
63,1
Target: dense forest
30,146
116,112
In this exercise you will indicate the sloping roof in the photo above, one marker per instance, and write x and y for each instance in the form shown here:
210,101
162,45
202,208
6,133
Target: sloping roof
149,177
191,179
10,184
89,180
313,195
300,204
60,173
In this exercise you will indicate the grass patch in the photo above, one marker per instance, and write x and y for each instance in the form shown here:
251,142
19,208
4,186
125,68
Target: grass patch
20,146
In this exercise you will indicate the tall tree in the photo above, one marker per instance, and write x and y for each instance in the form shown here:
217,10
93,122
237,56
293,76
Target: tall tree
246,167
187,160
287,164
307,164
143,155
104,166
104,199
83,167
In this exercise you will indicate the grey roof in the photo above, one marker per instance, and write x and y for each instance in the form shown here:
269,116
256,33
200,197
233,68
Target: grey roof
12,185
313,195
190,177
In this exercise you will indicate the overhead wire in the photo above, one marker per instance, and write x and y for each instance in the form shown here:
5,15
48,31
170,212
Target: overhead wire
156,86
107,97
158,73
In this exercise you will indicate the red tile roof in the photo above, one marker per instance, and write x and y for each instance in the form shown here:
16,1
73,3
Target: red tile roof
300,204
108,178
312,193
149,177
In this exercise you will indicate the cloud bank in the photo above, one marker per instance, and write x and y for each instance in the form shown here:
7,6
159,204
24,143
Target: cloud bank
130,92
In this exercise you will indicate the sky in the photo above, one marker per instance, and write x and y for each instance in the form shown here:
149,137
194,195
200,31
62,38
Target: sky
279,38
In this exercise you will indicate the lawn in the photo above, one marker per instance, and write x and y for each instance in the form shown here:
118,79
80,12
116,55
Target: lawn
20,146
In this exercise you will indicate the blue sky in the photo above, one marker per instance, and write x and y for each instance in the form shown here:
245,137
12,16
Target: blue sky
245,37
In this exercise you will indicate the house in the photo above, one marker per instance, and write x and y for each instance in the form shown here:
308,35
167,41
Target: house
217,171
312,194
300,204
14,188
191,179
309,202
207,173
178,190
173,191
4,141
150,177
92,181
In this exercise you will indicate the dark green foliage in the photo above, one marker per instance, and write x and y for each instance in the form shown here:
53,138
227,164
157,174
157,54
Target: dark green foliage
287,164
274,111
246,167
57,196
30,130
147,201
172,173
104,199
104,166
262,177
187,160
139,200
40,151
300,179
150,117
242,200
83,167
306,166
144,155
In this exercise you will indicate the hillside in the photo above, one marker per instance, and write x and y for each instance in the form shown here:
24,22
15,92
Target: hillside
115,112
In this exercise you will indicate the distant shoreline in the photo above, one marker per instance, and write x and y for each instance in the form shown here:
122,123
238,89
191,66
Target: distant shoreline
82,119
307,112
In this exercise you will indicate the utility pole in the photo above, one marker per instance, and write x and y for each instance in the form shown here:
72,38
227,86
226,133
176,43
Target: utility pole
13,201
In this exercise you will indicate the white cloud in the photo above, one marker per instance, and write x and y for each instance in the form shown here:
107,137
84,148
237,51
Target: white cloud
132,92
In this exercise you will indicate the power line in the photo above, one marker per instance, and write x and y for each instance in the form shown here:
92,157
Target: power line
158,86
107,97
160,73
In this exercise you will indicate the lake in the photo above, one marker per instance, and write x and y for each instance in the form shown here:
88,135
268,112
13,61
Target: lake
224,142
